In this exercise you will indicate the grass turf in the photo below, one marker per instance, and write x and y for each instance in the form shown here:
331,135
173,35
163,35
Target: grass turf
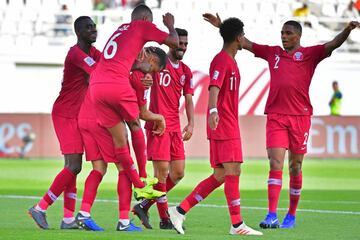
329,206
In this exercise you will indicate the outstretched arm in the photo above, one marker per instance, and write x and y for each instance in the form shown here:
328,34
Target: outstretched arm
172,40
216,22
341,37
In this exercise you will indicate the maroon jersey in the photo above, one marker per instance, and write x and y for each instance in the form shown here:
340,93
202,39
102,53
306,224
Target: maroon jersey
141,91
291,76
224,74
77,68
122,49
169,84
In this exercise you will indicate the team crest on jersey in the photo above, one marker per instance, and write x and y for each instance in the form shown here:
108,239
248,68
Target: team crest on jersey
215,75
298,56
182,80
89,61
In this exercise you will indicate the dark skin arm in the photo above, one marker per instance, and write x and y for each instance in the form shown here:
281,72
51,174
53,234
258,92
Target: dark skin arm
341,37
216,22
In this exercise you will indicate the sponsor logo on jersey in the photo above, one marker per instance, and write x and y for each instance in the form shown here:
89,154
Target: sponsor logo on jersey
215,75
89,61
182,80
298,56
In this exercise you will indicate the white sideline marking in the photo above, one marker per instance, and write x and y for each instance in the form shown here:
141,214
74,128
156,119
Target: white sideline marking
199,205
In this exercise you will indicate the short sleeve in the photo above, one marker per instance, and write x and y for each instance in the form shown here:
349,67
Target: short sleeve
217,72
261,51
317,53
83,61
189,84
140,90
152,33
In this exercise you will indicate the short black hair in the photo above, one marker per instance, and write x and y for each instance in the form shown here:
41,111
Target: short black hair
78,21
296,25
140,11
160,54
230,29
181,32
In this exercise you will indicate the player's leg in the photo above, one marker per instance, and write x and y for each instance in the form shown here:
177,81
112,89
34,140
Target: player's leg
298,135
72,148
124,196
74,163
83,218
122,153
161,170
139,146
199,193
295,164
277,141
158,150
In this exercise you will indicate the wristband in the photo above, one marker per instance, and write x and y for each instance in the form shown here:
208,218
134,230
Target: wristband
212,110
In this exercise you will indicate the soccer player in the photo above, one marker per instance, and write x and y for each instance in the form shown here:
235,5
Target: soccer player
288,108
223,133
113,97
99,150
79,63
167,151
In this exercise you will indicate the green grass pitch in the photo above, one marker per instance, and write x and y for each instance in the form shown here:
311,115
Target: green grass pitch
329,206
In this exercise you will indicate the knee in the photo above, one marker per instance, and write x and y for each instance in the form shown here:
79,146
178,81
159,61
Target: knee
295,167
75,168
276,164
176,176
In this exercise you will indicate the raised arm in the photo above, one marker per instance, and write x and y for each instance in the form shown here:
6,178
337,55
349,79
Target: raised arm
216,22
172,40
189,107
341,37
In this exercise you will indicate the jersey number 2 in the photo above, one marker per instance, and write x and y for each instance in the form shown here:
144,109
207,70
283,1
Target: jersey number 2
277,59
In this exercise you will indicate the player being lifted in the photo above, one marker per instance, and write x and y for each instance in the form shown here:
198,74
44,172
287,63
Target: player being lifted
288,108
167,151
113,97
223,133
79,63
99,150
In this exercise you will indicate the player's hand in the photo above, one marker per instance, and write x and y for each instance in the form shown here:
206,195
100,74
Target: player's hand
168,20
147,80
213,120
187,132
214,20
159,126
353,24
143,54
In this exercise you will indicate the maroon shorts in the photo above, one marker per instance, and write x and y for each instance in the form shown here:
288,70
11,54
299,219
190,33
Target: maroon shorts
168,147
98,142
288,131
114,103
224,151
68,134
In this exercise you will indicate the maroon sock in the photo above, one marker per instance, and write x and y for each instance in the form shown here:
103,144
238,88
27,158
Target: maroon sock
124,194
61,180
232,194
169,183
90,190
70,199
161,202
274,189
295,191
139,146
123,155
201,191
